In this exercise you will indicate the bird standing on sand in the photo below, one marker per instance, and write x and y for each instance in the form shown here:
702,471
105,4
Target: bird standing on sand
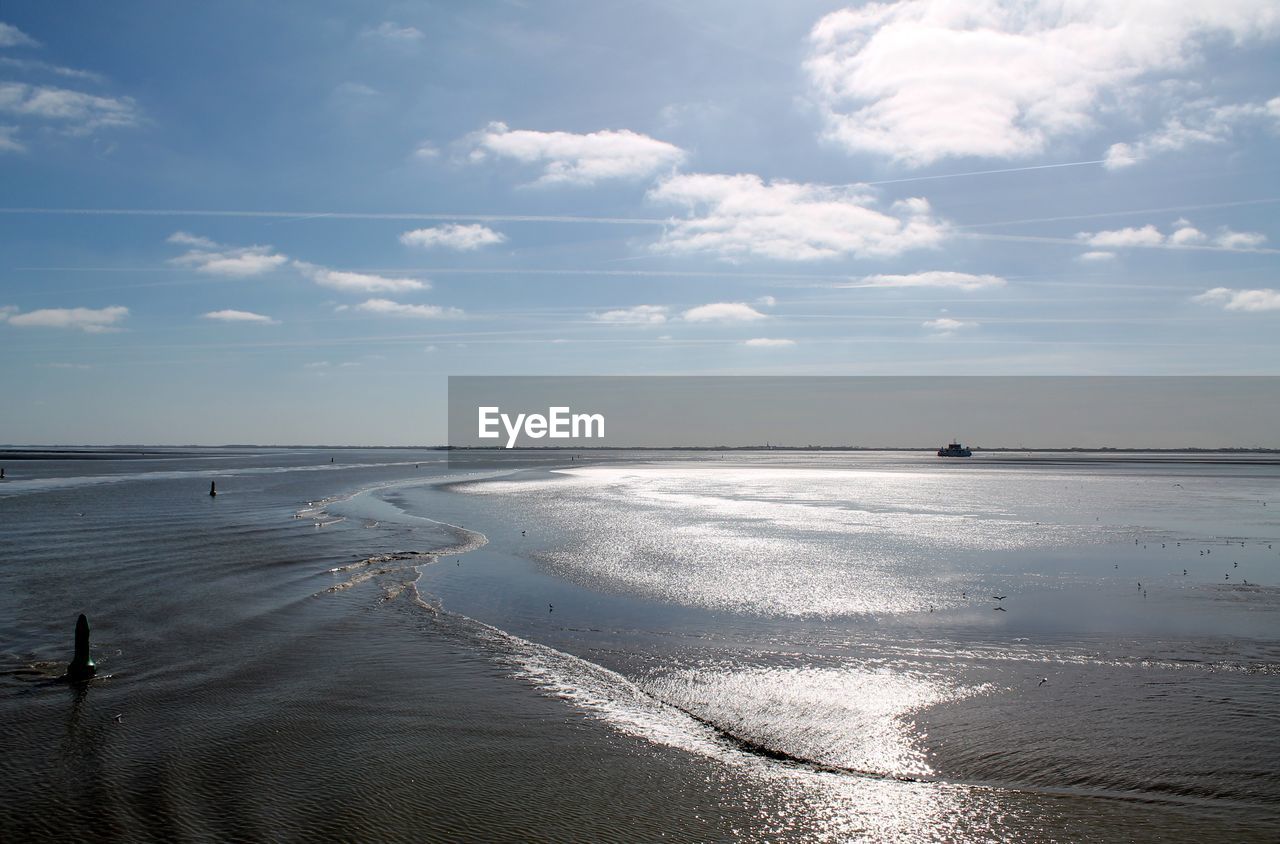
550,608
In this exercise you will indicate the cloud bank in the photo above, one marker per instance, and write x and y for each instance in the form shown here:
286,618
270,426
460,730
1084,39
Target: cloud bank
924,80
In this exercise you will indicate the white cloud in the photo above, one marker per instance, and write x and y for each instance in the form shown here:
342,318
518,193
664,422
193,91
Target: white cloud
394,32
1184,236
742,216
934,278
1096,257
7,311
1200,122
188,239
947,325
36,66
9,140
229,261
924,80
767,301
1228,239
465,238
11,36
1241,300
426,151
769,343
91,320
79,111
390,308
1146,236
350,282
723,312
573,159
240,316
639,315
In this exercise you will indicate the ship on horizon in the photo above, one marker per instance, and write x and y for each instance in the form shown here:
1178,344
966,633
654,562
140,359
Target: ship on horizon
954,450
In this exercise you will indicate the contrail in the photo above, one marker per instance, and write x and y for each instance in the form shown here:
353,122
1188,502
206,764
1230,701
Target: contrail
1103,214
338,215
979,173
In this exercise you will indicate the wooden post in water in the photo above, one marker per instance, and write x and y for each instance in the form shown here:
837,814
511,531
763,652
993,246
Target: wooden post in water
213,488
81,667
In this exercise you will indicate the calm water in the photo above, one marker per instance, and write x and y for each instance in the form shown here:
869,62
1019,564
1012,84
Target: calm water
689,646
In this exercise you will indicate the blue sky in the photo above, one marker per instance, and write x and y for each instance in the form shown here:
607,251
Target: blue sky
333,206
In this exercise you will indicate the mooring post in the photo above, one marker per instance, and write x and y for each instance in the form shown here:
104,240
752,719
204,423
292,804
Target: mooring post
81,667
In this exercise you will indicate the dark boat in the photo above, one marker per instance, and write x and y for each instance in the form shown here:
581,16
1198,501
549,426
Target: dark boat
954,450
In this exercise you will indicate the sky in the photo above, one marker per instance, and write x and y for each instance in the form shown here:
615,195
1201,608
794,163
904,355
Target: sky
290,222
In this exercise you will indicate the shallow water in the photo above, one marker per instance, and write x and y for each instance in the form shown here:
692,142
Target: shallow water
780,646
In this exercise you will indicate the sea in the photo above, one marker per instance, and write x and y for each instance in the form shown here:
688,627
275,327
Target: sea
391,645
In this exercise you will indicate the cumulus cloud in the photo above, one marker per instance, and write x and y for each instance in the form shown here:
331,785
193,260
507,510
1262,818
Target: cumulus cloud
464,238
638,315
769,343
933,278
77,111
91,320
1146,236
387,307
187,239
723,312
1228,239
350,282
1098,257
1183,236
233,262
924,80
394,32
572,159
947,325
11,36
240,316
744,216
1197,123
1265,299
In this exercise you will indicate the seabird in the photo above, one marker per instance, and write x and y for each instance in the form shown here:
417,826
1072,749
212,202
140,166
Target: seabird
1043,680
999,597
998,609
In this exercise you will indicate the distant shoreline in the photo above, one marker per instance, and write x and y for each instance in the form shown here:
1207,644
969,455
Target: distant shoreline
107,452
